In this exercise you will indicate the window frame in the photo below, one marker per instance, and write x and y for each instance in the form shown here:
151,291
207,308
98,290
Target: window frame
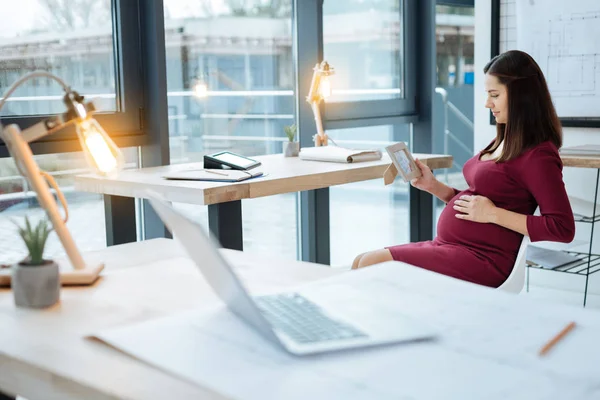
353,111
125,126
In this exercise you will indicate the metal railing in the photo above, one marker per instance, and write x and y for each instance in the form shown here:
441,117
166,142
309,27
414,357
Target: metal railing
26,193
448,105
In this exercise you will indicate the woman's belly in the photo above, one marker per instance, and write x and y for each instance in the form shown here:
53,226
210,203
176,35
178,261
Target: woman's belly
494,242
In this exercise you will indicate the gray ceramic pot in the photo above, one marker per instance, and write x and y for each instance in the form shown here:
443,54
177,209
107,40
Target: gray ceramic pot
36,286
291,149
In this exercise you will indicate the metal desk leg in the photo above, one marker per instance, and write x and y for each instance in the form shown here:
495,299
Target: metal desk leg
119,214
420,215
587,274
314,226
225,223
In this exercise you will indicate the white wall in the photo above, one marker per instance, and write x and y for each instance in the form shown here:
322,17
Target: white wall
580,182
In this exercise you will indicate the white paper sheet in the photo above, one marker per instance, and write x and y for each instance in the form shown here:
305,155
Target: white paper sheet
488,348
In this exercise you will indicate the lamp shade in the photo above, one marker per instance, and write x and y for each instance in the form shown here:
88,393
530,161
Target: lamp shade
200,87
325,87
100,151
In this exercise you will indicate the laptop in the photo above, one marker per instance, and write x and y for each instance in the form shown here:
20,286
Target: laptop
301,322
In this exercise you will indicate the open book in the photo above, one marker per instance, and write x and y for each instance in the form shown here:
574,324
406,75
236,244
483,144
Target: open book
338,154
215,175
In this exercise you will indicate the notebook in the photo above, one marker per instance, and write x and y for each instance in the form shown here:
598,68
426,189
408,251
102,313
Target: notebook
338,154
215,175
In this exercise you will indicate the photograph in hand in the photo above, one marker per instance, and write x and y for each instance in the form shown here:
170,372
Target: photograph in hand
403,161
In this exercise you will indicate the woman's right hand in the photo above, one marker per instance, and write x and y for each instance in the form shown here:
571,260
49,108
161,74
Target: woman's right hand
426,181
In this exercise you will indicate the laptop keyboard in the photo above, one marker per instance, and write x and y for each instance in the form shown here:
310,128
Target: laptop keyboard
302,320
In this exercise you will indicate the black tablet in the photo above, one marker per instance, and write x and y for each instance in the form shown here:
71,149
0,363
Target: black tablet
227,159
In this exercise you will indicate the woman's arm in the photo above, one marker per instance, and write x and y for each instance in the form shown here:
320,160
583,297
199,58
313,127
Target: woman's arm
442,191
509,219
428,183
544,180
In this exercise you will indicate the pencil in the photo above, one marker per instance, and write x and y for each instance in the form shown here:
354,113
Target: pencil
214,172
557,339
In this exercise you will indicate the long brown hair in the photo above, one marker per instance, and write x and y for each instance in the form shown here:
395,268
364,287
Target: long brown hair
532,118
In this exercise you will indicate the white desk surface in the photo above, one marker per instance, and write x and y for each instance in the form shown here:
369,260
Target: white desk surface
43,354
284,175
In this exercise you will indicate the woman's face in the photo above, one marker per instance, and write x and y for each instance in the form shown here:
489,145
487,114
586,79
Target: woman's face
497,98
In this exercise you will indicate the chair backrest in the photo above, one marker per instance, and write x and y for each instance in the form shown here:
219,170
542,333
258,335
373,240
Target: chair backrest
516,280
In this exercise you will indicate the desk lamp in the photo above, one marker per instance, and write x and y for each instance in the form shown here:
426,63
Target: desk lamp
200,87
100,152
320,89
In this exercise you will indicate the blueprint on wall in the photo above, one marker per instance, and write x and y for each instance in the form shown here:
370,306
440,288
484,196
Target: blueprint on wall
562,37
508,25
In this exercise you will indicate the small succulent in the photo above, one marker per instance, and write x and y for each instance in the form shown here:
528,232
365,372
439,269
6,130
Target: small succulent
35,239
290,132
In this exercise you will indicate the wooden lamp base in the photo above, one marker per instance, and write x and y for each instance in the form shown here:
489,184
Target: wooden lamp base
68,276
321,140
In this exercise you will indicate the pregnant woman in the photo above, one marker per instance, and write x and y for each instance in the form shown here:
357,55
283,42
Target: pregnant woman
481,228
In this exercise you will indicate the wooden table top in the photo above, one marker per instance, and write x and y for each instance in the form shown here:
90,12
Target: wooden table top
580,161
283,175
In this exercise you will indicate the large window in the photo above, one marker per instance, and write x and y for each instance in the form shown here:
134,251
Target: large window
241,56
368,215
453,103
73,42
230,85
363,41
93,45
366,42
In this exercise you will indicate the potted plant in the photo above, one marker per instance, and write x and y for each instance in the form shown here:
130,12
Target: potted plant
35,282
291,148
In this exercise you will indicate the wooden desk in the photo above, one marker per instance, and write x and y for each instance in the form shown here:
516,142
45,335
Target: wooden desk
43,354
580,162
284,175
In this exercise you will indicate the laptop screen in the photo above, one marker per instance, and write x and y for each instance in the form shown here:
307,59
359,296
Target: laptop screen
215,269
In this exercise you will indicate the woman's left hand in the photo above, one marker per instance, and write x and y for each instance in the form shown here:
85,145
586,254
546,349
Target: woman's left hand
475,208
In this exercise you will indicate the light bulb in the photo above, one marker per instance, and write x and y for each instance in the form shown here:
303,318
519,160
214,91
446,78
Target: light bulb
100,151
325,87
200,89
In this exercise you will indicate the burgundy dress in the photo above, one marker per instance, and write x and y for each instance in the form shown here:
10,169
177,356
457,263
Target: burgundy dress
486,253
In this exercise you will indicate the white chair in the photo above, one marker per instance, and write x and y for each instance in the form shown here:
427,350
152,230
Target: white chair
516,280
